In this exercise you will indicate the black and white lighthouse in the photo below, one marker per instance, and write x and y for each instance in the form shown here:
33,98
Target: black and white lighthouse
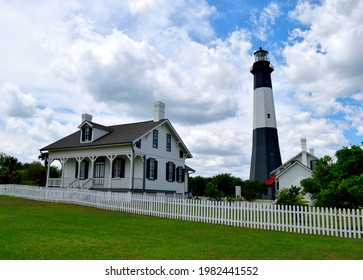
266,155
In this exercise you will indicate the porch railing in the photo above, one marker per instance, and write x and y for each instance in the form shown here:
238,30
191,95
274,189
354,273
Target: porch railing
96,182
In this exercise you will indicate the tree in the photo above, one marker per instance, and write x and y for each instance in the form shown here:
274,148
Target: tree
198,185
33,174
45,157
9,169
14,172
225,183
340,183
253,189
213,192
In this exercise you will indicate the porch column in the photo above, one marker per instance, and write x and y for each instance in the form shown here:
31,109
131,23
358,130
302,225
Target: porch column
79,160
48,171
132,171
110,158
62,161
93,159
144,172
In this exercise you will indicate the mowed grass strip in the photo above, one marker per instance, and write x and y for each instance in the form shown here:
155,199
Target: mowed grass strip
50,231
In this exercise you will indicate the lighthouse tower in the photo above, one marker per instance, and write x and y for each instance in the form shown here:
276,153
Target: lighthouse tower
265,143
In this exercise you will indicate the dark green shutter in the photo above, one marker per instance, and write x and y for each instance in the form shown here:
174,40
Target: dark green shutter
167,171
173,179
156,170
148,168
90,134
86,163
83,131
123,168
76,175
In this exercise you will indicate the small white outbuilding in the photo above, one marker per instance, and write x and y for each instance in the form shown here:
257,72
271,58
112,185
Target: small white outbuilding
294,170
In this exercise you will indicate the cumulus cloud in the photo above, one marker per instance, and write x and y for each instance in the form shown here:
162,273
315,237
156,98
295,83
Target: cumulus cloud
25,126
328,68
15,103
322,74
264,21
116,69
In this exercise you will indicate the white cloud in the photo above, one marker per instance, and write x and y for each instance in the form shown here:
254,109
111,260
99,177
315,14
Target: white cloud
264,21
322,63
117,69
25,127
15,103
322,71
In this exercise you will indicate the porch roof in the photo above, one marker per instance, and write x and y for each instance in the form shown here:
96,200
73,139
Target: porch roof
118,134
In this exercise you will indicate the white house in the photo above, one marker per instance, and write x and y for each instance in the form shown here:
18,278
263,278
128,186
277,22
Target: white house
140,157
294,170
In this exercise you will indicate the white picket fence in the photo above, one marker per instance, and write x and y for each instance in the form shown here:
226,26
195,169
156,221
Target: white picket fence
267,216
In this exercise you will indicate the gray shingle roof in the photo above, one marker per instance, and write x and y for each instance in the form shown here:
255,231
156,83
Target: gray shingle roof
118,134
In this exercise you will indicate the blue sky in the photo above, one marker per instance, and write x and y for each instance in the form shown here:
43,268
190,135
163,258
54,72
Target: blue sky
114,58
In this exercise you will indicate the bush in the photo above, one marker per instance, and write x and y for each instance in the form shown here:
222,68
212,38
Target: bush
291,196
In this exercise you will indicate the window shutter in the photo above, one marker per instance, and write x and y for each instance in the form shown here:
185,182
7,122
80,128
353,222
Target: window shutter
182,174
86,169
123,168
173,179
167,172
148,168
83,131
113,169
156,170
76,175
90,134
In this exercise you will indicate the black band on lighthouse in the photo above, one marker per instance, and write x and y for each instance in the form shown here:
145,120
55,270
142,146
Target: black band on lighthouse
261,71
266,155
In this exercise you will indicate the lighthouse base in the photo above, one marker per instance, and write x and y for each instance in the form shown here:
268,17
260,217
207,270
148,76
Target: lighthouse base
266,155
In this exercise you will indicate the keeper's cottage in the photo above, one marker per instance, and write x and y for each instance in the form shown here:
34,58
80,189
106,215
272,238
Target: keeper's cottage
144,157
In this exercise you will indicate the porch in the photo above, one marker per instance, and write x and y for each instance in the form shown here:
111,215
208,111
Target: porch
126,171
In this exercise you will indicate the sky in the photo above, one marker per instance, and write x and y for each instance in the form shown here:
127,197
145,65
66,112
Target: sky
113,59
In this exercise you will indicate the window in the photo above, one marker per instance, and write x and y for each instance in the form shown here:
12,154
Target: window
181,154
151,169
138,144
180,174
155,138
269,116
86,133
168,142
170,172
118,170
83,172
99,169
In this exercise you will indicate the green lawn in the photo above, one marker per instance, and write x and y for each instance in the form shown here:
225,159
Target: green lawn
42,230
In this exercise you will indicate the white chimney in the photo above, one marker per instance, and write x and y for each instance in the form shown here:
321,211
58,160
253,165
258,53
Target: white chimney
159,111
86,117
304,156
303,144
311,151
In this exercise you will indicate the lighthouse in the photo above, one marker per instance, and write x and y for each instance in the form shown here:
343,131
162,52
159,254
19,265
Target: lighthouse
266,155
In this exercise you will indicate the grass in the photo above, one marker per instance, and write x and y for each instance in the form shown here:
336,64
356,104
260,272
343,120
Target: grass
50,231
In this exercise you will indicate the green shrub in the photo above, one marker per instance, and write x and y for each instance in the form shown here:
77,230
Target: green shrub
291,196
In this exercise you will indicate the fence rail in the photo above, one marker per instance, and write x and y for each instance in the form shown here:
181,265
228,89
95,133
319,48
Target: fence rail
299,219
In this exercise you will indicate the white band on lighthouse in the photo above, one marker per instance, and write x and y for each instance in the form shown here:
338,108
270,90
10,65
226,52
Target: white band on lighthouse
263,108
